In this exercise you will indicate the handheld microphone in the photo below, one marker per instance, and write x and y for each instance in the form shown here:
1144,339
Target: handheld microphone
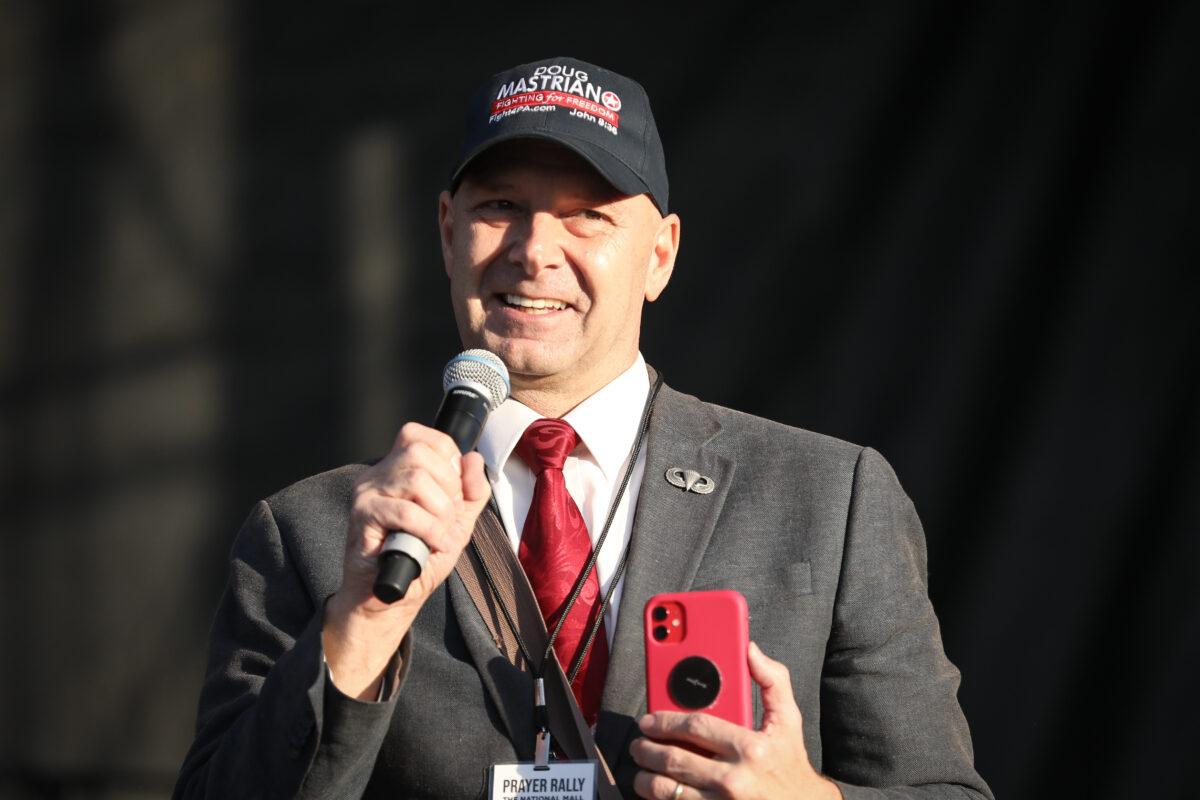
475,383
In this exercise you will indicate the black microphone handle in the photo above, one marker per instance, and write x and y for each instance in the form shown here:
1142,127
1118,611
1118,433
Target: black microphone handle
460,416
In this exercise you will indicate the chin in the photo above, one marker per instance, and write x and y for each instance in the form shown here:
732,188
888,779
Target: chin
535,360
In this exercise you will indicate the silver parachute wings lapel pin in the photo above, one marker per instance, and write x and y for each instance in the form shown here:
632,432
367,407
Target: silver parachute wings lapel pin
690,481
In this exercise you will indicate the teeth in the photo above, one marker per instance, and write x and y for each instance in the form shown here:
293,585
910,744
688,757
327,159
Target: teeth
536,303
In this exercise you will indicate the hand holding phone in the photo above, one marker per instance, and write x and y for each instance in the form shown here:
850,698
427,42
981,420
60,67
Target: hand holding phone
696,654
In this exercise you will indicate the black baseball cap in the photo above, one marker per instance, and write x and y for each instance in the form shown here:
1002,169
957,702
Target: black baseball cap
602,116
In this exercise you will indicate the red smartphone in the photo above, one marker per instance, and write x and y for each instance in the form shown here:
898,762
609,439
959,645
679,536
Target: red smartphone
696,650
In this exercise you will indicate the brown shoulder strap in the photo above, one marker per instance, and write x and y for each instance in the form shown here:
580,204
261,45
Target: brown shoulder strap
491,552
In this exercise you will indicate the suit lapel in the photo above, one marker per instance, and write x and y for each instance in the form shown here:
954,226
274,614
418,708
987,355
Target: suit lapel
671,530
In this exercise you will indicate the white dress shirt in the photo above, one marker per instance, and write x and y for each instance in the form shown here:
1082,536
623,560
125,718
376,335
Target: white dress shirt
607,424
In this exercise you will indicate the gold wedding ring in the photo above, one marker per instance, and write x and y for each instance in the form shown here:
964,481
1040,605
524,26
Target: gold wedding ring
678,791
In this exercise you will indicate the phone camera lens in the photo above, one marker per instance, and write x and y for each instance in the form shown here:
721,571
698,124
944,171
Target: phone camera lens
659,614
660,631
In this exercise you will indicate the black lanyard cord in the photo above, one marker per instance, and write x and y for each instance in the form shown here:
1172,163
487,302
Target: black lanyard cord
612,588
643,425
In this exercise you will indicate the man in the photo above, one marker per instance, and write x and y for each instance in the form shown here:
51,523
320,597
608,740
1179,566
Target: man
555,232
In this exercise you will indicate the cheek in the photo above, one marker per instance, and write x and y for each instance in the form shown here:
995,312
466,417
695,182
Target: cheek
465,280
477,246
601,259
610,262
618,276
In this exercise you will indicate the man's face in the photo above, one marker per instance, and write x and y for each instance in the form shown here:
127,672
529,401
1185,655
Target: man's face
549,267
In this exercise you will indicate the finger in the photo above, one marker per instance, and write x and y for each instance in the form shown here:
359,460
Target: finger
413,483
378,515
675,762
391,474
413,432
661,787
421,487
476,488
773,678
717,736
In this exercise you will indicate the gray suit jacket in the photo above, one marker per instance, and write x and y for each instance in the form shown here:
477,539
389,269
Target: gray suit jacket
815,532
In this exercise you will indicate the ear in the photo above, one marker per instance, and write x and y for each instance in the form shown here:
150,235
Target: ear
446,228
662,256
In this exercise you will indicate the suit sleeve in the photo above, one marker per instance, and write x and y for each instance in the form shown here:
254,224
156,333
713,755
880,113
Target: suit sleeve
270,723
890,716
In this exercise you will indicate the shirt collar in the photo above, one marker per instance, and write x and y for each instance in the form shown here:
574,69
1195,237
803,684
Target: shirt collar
607,423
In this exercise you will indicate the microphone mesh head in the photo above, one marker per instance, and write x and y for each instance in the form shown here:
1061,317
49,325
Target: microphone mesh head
481,368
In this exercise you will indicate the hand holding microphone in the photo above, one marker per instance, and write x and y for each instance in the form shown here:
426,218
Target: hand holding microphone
475,382
418,503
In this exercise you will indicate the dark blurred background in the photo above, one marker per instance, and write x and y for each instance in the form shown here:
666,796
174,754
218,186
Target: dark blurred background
962,233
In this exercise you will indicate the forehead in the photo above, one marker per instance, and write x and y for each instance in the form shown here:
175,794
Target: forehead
533,159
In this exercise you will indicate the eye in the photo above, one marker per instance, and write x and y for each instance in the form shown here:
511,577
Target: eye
496,211
593,214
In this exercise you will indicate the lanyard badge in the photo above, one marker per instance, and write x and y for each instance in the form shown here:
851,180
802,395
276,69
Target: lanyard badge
543,779
559,780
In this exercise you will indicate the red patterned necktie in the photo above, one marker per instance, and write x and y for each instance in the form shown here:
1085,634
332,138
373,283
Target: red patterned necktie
555,548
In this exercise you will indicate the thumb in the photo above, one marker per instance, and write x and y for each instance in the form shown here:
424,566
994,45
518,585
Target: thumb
773,678
476,488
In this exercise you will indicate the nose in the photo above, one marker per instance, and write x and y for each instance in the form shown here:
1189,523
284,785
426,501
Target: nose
538,245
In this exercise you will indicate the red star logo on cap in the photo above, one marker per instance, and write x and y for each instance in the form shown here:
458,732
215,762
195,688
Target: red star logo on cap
611,100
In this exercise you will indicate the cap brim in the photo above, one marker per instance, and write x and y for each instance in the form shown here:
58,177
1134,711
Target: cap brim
611,168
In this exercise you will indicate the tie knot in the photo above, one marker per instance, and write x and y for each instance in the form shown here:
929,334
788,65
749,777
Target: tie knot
546,444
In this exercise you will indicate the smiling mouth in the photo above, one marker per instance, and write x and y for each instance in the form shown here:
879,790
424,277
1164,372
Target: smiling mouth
532,305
